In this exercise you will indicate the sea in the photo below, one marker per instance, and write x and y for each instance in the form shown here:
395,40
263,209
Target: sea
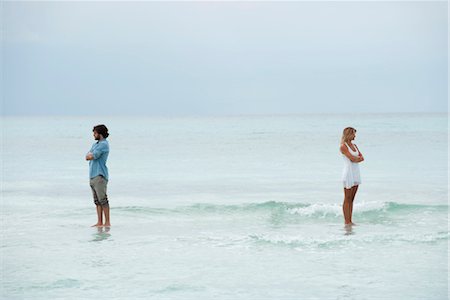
227,207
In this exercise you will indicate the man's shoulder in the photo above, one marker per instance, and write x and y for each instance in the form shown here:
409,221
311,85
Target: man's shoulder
104,143
101,144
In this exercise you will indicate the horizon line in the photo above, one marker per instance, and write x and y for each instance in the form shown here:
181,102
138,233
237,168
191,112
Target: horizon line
224,115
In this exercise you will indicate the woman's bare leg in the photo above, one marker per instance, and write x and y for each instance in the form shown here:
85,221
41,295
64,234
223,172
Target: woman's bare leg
346,206
353,194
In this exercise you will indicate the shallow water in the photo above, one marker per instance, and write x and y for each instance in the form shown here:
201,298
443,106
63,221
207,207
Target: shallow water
226,208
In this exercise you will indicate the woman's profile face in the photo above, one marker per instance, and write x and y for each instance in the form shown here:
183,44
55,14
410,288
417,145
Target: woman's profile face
353,136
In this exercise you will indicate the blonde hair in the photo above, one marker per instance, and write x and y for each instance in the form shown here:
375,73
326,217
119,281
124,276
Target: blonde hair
346,134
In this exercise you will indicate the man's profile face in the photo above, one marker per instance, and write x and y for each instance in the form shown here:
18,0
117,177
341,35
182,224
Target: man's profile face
97,136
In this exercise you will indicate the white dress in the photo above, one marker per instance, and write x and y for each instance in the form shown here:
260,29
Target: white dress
350,175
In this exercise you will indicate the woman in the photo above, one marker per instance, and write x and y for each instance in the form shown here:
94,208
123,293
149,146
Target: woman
350,176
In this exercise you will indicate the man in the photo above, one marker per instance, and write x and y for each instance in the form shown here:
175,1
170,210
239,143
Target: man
98,173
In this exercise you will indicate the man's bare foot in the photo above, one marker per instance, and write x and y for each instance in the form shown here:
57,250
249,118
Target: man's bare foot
107,225
97,225
353,224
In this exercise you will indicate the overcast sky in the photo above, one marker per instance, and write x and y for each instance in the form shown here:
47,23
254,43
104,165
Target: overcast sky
211,58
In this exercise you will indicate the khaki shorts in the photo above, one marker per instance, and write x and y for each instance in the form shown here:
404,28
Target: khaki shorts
98,185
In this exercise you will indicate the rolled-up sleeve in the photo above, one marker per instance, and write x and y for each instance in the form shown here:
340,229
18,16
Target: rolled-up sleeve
98,151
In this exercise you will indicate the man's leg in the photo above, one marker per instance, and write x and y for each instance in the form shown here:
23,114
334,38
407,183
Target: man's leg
99,215
106,212
103,198
97,205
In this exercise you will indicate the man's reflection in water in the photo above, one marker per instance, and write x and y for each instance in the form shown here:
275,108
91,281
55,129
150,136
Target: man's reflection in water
102,234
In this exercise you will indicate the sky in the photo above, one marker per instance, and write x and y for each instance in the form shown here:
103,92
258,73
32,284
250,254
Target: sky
223,58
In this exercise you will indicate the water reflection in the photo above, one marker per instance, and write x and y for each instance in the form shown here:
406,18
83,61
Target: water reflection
103,233
348,229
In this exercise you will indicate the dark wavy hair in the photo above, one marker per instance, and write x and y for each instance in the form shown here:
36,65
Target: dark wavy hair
101,129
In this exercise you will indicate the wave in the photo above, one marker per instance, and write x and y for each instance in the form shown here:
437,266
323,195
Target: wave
213,208
305,239
365,209
336,241
317,210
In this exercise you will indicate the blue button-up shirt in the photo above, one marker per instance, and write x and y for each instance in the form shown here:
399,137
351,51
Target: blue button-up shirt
97,166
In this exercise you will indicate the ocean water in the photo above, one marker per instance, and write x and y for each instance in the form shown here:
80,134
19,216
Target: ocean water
245,207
